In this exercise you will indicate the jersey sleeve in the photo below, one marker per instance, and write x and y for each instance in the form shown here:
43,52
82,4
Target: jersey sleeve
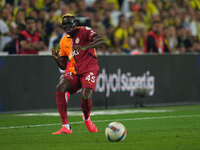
90,33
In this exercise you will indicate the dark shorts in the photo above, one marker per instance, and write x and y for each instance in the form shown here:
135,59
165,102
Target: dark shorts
86,80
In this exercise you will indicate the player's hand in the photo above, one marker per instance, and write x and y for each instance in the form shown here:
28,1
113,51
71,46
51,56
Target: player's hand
55,54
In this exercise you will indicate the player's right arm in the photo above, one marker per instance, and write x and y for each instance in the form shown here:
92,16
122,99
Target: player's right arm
61,54
60,60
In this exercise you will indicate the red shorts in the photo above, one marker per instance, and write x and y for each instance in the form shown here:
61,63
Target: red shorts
86,80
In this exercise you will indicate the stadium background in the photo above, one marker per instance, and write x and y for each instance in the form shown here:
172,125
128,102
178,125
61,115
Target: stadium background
28,82
129,76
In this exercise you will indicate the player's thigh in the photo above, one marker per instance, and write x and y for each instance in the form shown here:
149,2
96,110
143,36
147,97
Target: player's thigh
88,83
74,81
63,85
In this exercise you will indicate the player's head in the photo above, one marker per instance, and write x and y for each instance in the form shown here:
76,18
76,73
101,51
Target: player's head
69,22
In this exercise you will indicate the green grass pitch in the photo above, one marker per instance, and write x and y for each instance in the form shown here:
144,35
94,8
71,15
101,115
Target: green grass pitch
178,129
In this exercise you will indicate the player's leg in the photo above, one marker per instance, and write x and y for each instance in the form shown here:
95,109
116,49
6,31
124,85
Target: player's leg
61,88
86,102
88,82
67,94
67,71
86,105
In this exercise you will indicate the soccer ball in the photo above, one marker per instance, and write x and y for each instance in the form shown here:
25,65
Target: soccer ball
115,132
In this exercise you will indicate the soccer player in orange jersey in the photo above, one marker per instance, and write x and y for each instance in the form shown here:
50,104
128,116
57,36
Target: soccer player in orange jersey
78,47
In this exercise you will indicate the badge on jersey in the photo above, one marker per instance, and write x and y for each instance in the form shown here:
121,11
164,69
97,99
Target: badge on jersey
77,40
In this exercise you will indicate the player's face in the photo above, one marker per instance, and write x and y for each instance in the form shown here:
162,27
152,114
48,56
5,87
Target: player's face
68,24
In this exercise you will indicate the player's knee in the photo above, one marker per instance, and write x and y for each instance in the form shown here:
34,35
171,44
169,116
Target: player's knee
63,86
87,93
60,88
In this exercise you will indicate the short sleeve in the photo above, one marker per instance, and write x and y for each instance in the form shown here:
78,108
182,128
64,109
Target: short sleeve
90,33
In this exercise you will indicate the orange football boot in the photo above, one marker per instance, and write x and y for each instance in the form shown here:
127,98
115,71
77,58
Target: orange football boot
63,130
90,125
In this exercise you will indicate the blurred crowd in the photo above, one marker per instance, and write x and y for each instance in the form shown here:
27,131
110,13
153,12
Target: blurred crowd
124,24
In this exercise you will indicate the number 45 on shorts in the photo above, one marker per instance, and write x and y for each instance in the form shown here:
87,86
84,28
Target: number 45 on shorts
91,77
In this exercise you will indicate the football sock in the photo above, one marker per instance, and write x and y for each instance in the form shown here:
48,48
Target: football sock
67,95
62,107
67,126
86,105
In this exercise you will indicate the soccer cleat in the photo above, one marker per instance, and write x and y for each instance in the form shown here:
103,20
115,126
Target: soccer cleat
63,130
90,125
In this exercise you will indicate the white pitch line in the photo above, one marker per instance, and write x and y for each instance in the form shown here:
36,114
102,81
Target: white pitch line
110,120
104,112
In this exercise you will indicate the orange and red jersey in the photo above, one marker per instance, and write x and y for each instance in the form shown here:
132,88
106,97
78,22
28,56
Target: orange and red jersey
80,61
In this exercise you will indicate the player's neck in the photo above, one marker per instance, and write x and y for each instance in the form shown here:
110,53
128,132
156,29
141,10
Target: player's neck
72,33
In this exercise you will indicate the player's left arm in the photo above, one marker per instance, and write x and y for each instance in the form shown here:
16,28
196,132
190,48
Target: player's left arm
97,41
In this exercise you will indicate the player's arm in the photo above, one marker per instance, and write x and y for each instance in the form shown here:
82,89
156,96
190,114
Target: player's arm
60,60
96,42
